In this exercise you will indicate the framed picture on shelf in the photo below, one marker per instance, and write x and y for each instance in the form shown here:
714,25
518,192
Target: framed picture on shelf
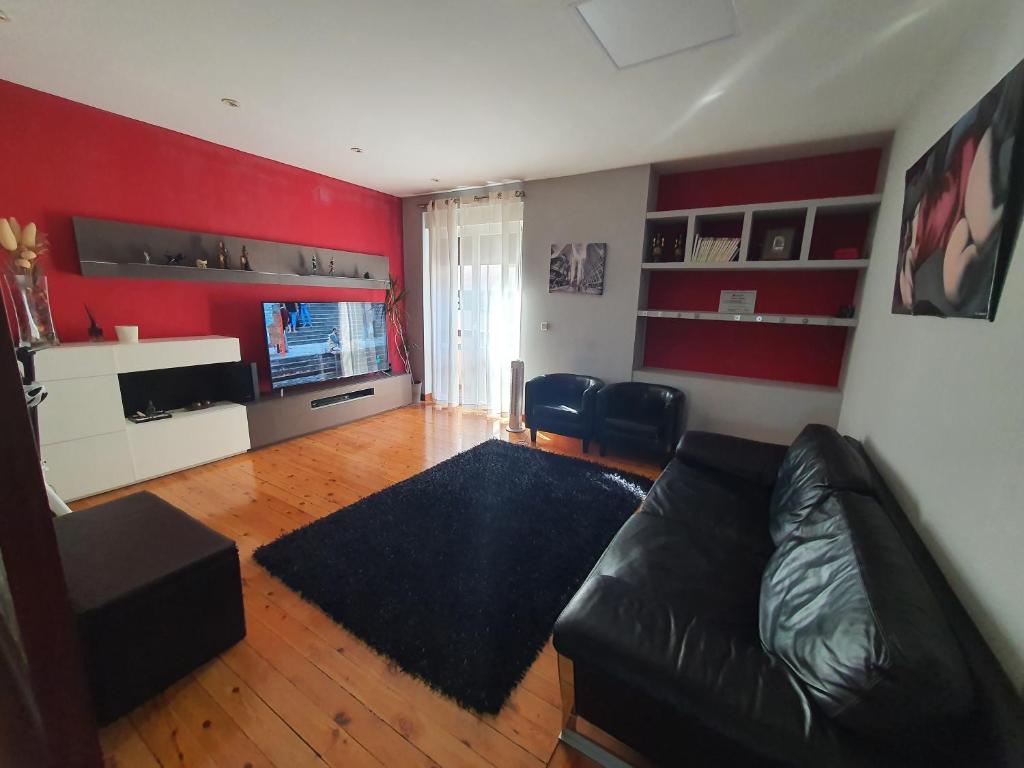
778,244
962,209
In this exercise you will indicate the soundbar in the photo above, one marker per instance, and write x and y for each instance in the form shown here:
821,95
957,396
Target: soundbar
325,402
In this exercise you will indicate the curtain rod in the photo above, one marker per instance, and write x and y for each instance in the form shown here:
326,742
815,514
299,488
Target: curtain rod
517,193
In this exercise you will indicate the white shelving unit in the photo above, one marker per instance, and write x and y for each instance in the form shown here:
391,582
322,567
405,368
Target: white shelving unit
760,266
88,444
769,319
808,209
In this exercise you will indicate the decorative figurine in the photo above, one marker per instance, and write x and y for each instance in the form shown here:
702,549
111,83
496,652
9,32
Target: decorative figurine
244,258
177,258
316,265
222,255
330,268
150,409
95,332
145,256
366,276
677,247
201,263
355,271
657,246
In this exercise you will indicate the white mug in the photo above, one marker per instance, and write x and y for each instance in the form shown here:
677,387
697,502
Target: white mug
127,334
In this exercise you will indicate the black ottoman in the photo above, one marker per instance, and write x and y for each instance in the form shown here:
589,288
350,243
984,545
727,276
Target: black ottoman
155,592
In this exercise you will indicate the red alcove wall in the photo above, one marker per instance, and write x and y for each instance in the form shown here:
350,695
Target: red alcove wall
803,354
64,159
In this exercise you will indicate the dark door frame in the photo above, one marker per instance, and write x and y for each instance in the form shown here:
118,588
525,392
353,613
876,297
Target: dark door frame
51,659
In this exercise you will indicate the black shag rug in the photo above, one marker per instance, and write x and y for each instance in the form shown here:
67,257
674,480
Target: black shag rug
458,573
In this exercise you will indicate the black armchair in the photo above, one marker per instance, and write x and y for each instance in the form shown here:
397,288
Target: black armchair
643,417
563,403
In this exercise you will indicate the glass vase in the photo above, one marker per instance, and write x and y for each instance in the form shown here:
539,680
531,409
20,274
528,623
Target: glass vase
31,297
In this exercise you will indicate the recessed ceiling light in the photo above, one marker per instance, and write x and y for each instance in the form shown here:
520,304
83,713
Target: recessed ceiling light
4,16
434,179
357,150
229,102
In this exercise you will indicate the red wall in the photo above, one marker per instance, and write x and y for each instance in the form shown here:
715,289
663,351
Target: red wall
846,173
804,354
60,159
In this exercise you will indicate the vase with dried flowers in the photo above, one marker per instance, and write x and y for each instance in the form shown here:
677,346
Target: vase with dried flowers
394,309
27,282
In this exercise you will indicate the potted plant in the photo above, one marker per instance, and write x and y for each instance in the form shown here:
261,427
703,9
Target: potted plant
394,310
24,246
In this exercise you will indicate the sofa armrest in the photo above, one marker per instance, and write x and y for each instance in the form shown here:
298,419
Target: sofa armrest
749,459
729,685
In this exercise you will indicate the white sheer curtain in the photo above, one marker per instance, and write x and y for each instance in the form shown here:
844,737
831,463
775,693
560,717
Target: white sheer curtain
443,242
485,294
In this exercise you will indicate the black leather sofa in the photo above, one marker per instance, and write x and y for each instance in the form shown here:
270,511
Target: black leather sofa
641,417
772,605
563,403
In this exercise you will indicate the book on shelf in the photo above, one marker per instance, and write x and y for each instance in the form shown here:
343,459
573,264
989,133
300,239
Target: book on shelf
715,250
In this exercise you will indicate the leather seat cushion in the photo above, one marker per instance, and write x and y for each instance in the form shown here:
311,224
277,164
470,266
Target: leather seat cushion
715,505
713,576
818,462
630,428
845,606
559,414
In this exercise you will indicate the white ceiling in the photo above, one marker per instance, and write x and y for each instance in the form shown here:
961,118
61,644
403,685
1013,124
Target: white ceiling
473,91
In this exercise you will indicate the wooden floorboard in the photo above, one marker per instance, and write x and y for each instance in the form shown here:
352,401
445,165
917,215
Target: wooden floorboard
300,691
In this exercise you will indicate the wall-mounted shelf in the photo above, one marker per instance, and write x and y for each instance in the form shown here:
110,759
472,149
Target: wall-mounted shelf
770,319
851,204
210,275
749,223
117,249
810,264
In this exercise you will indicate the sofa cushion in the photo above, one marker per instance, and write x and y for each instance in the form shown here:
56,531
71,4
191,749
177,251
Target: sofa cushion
845,606
715,506
818,462
630,428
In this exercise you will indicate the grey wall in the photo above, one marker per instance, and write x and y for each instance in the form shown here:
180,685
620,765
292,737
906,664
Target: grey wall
589,334
939,403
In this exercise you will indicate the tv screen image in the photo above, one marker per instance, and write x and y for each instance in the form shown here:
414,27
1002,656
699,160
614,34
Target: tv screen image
311,342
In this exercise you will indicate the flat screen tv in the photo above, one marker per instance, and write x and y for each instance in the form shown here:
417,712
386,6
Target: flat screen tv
323,341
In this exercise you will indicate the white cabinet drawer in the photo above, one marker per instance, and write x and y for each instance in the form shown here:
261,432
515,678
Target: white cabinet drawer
74,361
187,439
91,465
76,408
155,354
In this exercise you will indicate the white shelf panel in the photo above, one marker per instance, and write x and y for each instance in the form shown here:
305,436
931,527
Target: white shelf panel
849,204
767,266
771,319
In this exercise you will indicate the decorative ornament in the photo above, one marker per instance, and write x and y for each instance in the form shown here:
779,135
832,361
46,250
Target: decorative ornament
145,257
657,246
677,247
316,264
366,276
27,283
244,258
222,255
201,263
95,332
330,268
177,258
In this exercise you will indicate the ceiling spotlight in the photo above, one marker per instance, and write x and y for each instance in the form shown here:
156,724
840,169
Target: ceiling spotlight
4,16
357,150
229,102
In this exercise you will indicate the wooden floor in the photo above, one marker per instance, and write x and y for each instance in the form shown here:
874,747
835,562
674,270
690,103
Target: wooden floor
299,690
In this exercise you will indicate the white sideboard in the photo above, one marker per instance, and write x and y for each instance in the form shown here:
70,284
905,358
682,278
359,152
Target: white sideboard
88,444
